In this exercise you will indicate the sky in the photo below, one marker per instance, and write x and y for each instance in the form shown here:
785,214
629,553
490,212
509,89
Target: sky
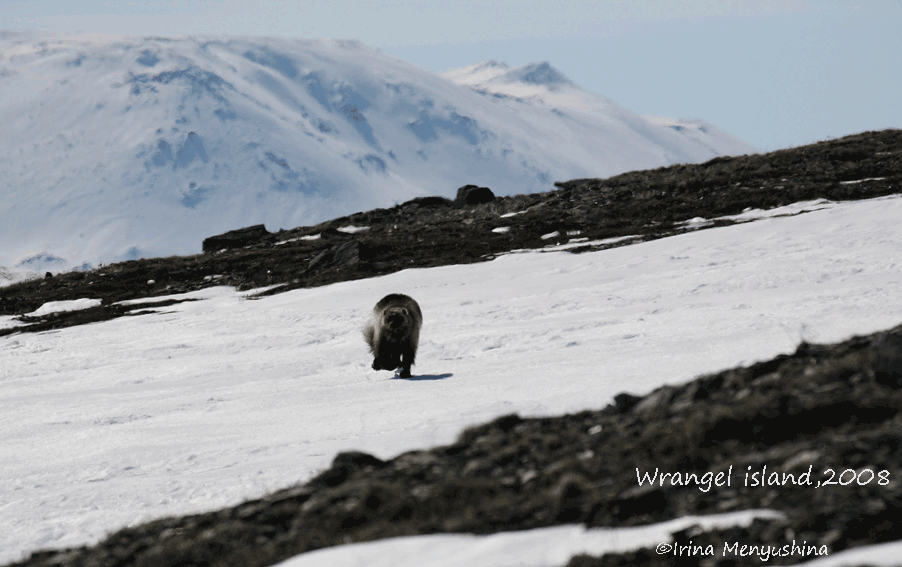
776,73
208,403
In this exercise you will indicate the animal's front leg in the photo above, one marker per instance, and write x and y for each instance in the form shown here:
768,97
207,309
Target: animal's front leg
405,365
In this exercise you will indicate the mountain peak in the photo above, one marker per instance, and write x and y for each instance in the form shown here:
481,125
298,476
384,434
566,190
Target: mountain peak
489,64
541,73
477,73
495,72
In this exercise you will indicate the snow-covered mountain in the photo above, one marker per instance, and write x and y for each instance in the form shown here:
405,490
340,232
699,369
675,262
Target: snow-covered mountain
119,147
542,84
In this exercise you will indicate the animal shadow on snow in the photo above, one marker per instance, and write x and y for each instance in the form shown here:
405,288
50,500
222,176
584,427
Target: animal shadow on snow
425,377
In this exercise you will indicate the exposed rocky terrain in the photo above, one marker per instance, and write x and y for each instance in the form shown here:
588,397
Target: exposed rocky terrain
825,407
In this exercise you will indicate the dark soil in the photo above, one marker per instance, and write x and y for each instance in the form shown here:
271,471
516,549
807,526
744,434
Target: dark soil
433,231
825,407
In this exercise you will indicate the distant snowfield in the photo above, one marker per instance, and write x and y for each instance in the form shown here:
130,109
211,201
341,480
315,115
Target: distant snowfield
212,402
119,148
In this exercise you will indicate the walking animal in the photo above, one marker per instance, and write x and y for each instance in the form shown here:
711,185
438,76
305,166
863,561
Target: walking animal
393,332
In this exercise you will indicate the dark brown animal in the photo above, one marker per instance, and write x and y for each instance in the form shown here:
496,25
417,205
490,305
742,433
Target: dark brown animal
393,333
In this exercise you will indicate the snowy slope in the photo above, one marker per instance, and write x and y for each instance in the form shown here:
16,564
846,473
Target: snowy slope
220,400
543,85
118,147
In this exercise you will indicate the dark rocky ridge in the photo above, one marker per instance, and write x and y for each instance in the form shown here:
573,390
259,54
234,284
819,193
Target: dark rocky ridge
238,238
825,406
433,231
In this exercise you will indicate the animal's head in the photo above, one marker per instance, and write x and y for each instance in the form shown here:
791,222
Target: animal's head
397,317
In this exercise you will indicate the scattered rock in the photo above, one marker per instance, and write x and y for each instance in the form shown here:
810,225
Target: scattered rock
237,238
473,195
345,254
344,465
624,402
428,202
334,234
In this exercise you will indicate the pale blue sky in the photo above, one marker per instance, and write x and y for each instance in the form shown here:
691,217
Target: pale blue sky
775,73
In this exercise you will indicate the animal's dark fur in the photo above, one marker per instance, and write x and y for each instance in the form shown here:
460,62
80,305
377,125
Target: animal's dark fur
393,333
